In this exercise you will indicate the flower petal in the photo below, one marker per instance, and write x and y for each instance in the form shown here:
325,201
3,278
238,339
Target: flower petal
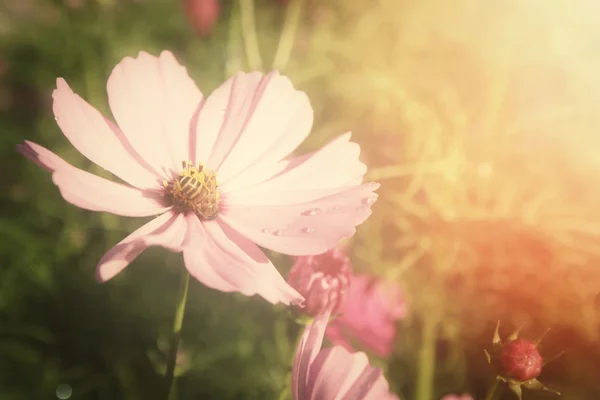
224,260
337,374
154,100
167,230
99,139
333,166
308,349
92,192
251,119
307,228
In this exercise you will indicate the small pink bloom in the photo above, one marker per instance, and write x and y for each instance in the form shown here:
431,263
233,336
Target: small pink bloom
214,170
457,397
369,315
334,373
322,280
521,360
202,14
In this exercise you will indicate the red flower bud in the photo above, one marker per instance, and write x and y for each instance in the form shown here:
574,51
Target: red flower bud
322,279
520,360
202,14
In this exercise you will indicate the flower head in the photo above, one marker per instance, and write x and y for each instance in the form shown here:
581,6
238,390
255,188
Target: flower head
214,169
322,280
519,362
334,373
369,315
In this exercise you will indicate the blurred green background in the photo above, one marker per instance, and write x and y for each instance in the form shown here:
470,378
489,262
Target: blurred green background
479,117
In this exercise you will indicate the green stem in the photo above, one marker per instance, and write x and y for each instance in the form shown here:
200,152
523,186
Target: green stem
286,40
177,323
426,360
249,34
492,391
286,392
234,48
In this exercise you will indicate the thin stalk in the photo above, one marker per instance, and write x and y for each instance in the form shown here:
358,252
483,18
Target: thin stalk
293,16
249,34
286,392
492,391
426,367
177,323
234,61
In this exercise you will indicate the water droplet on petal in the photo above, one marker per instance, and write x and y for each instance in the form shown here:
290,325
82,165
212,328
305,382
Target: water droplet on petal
278,233
308,230
311,212
369,200
265,230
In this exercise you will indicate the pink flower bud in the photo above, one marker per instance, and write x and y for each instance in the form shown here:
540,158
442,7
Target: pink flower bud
520,360
322,280
202,14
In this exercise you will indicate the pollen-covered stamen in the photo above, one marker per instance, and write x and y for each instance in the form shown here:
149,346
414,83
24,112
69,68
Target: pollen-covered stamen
195,189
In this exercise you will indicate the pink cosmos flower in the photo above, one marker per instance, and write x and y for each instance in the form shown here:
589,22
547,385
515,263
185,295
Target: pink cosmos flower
369,315
457,397
213,169
334,373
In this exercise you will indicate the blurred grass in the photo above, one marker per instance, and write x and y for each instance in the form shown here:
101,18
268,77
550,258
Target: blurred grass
477,117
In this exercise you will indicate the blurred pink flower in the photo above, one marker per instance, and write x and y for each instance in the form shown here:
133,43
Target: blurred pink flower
202,14
457,397
236,191
322,280
334,373
369,315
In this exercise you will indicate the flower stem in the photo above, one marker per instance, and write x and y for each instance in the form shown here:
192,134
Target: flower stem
249,34
235,50
177,323
286,392
426,366
288,33
492,391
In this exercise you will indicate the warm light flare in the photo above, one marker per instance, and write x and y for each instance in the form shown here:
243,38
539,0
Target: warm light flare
493,178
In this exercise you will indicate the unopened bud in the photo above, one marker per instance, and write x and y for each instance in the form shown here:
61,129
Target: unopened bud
322,279
520,360
202,14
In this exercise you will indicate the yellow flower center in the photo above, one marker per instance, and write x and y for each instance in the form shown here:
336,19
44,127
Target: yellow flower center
195,189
